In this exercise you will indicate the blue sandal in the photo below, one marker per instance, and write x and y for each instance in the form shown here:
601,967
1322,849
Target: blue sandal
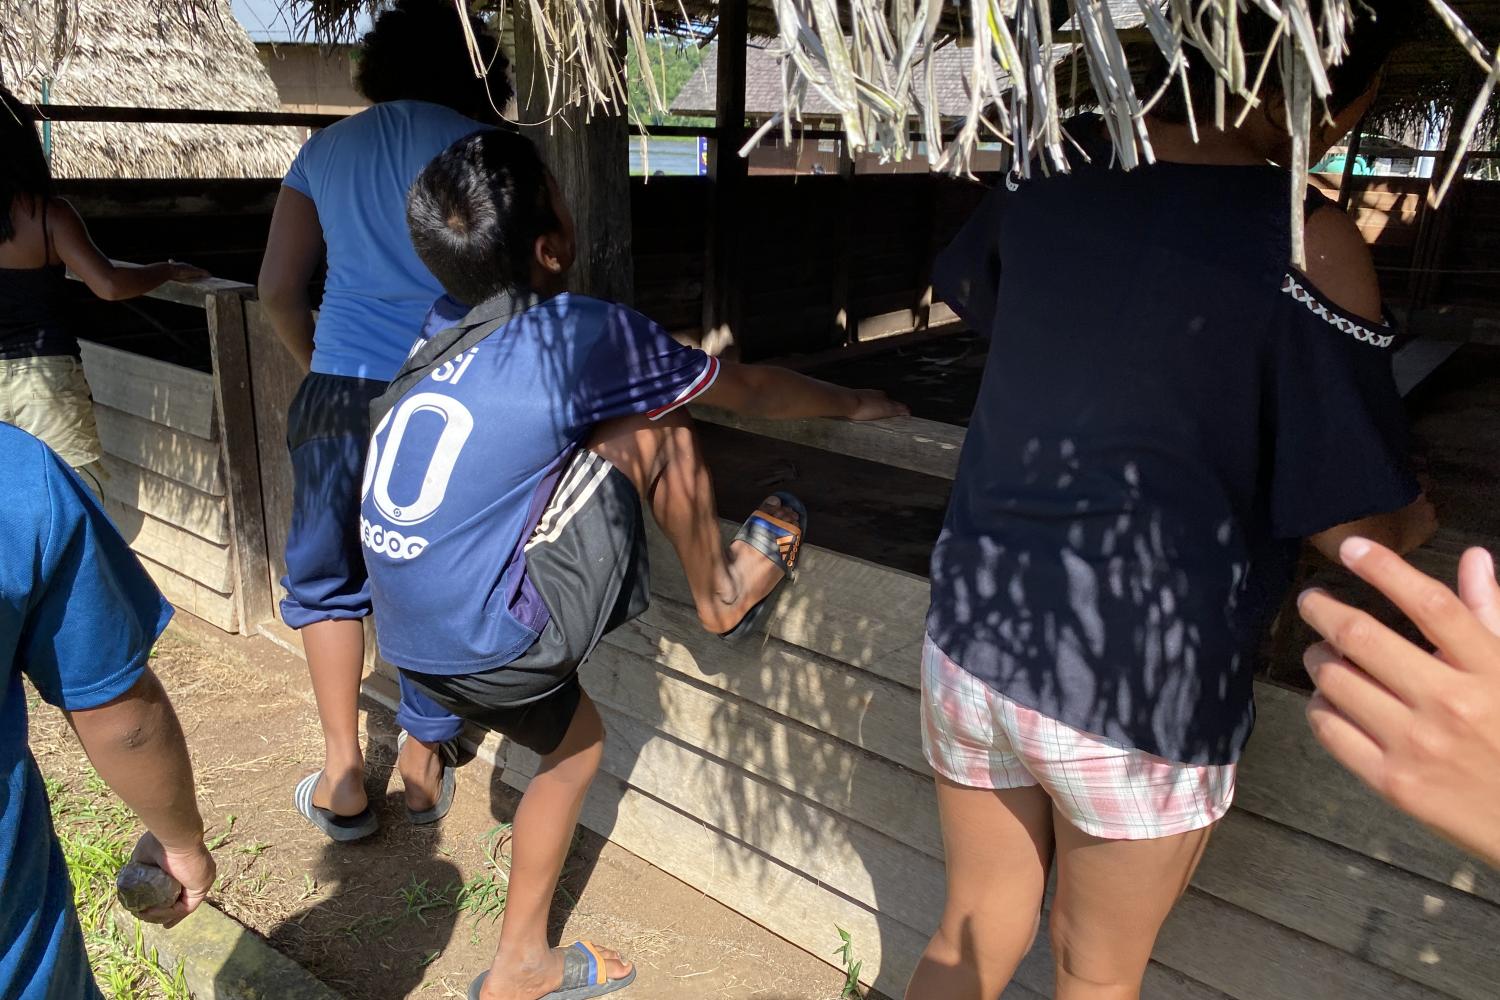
780,541
585,975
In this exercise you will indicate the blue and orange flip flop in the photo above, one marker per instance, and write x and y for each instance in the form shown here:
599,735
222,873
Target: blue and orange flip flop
585,975
780,541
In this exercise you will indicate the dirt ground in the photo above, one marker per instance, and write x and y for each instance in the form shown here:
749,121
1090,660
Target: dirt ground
412,911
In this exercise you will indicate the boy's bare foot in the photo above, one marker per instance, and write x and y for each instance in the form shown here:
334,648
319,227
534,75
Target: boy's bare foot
753,574
421,767
341,791
540,973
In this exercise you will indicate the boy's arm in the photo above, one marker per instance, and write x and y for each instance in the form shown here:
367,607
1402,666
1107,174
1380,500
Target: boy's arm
780,394
293,249
92,617
137,746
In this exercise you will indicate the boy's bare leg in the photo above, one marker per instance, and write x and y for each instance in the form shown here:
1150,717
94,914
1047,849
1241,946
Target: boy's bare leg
525,965
336,660
421,767
663,459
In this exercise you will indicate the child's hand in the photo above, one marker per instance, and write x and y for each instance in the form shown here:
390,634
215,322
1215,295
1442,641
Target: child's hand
872,404
193,868
186,272
1423,730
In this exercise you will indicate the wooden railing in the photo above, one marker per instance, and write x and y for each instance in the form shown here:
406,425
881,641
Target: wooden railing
184,461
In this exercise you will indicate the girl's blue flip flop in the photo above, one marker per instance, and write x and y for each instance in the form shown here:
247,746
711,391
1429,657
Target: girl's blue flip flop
584,975
780,541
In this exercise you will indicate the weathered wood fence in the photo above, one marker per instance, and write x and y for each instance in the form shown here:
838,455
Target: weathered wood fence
183,474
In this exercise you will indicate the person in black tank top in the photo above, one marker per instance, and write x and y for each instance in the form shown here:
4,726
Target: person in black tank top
42,387
1144,460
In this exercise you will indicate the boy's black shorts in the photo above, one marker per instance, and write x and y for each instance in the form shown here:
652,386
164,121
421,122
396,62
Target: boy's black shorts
588,561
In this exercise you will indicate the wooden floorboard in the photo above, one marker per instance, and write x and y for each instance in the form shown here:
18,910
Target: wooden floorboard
173,454
167,500
861,786
198,559
162,393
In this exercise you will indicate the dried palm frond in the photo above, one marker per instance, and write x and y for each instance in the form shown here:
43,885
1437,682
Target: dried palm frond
872,61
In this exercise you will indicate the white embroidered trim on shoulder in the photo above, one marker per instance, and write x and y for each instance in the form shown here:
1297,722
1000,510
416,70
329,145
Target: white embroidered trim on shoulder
1291,286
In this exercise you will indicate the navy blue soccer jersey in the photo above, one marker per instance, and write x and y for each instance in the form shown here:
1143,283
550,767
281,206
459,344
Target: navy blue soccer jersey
462,466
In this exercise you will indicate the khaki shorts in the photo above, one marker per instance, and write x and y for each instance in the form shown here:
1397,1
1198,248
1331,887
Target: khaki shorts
49,397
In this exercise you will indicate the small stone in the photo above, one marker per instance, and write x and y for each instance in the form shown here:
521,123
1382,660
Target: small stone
141,887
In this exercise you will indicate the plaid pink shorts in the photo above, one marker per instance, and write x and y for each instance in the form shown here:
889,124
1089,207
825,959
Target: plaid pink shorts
976,737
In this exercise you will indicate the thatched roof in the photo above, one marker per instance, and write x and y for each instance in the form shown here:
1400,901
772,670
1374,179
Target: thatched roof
874,61
135,53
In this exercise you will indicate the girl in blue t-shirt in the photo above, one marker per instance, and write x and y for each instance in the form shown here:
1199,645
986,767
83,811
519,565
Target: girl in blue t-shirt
345,196
1142,465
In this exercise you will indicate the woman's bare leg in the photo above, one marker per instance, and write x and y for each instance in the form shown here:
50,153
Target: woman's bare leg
1112,898
998,846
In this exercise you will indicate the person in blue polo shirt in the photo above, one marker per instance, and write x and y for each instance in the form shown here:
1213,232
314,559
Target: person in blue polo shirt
346,191
502,506
78,618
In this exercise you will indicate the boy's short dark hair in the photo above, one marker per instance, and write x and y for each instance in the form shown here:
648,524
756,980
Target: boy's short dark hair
1379,26
417,52
475,213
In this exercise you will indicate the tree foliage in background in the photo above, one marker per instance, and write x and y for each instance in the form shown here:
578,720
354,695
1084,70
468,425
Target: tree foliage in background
673,60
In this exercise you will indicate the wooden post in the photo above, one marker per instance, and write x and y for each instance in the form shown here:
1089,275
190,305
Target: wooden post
1435,225
590,158
723,298
1351,155
234,407
845,325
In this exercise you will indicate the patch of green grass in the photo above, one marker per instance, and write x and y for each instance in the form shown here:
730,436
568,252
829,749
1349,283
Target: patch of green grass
97,834
421,900
254,850
484,896
223,835
852,966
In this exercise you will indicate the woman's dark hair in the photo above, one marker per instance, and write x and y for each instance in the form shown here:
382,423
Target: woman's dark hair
417,52
23,165
476,211
1379,26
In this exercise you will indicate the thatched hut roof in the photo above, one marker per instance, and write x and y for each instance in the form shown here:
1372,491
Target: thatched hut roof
875,62
136,53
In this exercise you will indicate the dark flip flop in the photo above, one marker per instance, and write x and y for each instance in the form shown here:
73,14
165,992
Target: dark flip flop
341,828
764,532
448,751
585,975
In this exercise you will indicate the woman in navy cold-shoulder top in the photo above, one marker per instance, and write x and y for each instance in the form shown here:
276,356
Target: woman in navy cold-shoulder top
1168,410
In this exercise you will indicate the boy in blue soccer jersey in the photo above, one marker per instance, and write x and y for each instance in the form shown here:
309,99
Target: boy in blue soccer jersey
78,617
502,506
